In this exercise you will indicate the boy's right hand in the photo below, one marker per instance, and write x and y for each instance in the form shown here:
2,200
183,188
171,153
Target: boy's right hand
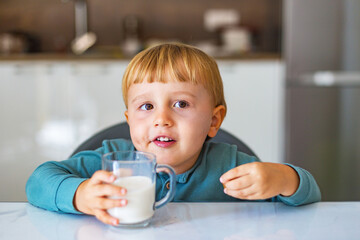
92,196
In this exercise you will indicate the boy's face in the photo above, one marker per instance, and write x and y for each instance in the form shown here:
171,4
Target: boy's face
172,120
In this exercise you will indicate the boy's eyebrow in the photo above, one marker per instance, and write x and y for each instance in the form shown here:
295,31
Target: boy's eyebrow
185,93
145,95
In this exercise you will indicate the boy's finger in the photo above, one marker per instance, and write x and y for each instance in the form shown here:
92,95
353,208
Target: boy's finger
102,176
239,183
106,203
109,190
104,217
234,173
246,193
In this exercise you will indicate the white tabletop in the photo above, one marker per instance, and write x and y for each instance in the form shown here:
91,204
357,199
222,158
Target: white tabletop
325,220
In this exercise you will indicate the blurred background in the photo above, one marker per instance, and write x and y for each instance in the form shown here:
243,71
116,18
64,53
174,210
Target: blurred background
291,72
54,22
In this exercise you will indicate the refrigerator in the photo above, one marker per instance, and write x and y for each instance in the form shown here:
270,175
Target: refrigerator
321,47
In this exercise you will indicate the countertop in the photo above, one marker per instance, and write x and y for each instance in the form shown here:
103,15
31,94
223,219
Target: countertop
230,221
118,57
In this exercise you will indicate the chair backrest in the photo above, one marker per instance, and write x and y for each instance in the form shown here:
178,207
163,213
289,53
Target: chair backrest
121,130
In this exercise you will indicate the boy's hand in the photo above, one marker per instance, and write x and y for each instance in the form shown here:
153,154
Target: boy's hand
259,180
92,196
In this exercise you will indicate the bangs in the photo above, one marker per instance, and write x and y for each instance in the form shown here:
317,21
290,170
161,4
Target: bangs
167,63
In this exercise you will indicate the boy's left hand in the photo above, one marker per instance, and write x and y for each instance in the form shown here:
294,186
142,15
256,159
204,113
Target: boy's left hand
260,180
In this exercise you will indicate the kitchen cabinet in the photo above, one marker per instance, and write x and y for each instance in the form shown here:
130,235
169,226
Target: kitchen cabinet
49,107
254,92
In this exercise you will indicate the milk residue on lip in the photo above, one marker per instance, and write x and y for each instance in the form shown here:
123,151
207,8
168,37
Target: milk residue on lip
141,197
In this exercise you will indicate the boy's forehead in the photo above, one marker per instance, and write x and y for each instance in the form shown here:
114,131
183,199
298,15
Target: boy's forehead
169,86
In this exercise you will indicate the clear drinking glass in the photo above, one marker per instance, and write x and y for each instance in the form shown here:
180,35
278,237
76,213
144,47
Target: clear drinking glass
136,171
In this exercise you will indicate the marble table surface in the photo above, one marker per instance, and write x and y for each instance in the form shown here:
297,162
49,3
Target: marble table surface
230,221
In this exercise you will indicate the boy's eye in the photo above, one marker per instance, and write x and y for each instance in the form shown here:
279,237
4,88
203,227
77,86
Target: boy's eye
146,107
181,104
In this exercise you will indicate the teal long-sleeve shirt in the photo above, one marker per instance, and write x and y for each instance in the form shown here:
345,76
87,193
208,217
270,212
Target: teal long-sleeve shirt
53,184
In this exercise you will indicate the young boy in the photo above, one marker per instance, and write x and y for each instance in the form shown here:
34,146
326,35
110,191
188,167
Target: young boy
175,101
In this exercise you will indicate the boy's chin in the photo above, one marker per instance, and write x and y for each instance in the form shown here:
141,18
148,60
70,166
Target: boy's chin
164,161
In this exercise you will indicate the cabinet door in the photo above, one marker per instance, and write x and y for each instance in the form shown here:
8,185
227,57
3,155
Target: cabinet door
254,93
48,109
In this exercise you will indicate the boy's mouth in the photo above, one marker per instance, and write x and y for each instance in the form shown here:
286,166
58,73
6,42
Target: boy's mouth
163,141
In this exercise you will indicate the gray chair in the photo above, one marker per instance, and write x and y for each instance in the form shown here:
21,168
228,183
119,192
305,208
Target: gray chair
121,130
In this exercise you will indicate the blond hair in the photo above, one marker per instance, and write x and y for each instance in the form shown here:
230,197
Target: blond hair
178,62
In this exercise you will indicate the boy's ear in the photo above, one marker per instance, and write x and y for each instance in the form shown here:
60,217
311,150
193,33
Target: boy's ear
127,116
217,119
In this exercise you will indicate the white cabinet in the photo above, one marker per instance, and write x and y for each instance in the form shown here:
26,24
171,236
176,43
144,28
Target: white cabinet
48,108
254,93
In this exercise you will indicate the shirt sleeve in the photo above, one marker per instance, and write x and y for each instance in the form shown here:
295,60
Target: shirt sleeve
52,185
307,192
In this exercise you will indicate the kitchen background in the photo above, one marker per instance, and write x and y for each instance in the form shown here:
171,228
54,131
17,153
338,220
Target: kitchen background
292,67
52,21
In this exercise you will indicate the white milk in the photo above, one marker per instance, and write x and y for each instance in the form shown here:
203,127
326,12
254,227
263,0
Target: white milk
140,196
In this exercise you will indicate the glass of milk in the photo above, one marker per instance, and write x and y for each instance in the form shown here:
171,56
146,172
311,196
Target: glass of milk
136,171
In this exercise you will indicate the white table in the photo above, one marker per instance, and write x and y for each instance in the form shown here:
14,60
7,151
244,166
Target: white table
325,220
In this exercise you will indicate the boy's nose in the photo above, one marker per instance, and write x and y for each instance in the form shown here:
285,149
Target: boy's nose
163,119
